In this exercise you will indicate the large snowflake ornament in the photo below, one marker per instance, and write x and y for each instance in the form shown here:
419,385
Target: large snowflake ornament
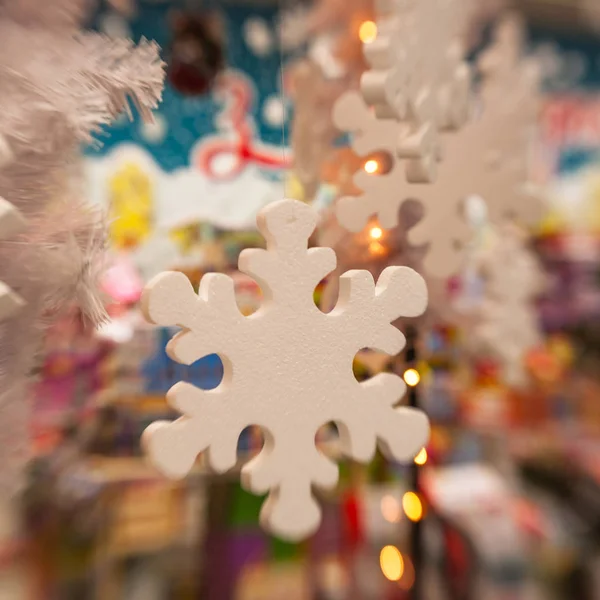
418,76
288,369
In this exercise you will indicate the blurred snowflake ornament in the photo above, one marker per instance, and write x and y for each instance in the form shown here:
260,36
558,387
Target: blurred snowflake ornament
419,77
375,249
443,228
506,324
313,131
510,95
487,157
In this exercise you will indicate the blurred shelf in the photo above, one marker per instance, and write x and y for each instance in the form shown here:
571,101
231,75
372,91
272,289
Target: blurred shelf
115,470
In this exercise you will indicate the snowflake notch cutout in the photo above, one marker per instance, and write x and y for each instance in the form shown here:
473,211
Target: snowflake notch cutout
288,369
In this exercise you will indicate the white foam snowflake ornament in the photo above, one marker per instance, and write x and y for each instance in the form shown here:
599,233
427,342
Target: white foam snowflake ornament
488,157
418,76
288,369
510,97
443,228
506,325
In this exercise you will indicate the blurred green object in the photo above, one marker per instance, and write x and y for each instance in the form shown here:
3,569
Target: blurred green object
245,508
283,551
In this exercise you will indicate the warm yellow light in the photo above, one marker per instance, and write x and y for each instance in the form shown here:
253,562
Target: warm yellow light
377,249
411,377
376,233
421,458
391,562
367,32
413,509
371,166
390,509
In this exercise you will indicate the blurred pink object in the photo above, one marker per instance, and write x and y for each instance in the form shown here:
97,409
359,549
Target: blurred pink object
122,282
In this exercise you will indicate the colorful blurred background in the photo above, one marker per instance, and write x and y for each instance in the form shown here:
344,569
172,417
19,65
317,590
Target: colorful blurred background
508,501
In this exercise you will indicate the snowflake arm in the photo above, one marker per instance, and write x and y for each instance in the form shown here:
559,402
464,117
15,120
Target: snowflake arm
359,305
443,229
170,300
376,420
208,423
284,274
371,308
383,86
383,194
351,114
290,509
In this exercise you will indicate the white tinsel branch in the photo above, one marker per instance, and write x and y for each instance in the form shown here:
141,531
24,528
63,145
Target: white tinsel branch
59,87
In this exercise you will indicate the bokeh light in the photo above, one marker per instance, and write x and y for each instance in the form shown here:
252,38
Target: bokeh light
371,166
411,377
391,562
390,509
377,249
376,233
367,32
422,457
413,508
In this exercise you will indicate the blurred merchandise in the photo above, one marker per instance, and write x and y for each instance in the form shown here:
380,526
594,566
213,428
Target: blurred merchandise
503,503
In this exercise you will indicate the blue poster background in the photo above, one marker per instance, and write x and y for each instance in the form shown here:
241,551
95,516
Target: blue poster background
188,120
